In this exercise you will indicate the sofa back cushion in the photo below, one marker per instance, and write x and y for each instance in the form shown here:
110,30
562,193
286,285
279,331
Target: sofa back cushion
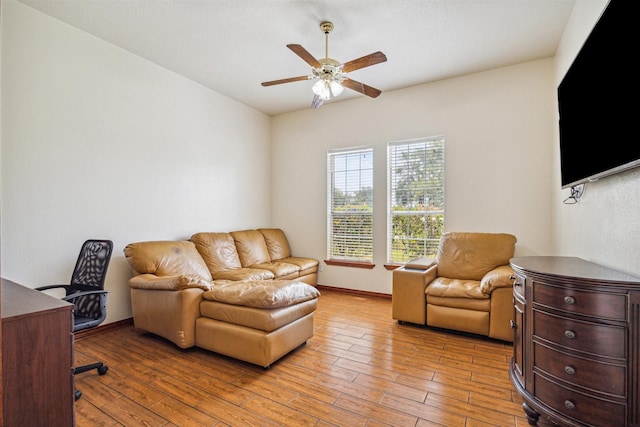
251,247
166,258
218,251
465,255
277,243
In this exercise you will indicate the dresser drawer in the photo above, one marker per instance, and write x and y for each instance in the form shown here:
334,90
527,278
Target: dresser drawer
592,338
602,306
583,408
602,377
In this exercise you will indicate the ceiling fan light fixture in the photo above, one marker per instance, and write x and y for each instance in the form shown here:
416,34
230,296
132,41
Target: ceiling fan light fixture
336,88
321,88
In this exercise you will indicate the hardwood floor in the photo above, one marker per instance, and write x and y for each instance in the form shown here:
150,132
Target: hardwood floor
361,368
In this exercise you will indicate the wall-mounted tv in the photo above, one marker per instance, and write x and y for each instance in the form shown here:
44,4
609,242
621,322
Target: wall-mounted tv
597,101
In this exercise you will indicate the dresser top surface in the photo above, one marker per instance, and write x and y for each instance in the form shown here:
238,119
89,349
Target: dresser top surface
572,267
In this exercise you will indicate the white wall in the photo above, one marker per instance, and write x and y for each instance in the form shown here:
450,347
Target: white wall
604,226
498,150
99,143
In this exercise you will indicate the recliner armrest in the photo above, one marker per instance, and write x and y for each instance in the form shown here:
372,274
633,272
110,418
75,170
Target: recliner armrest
499,277
422,263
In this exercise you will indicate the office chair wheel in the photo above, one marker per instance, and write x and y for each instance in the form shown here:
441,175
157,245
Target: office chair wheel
103,370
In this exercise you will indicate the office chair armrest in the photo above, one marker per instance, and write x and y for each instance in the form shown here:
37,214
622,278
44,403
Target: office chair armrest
44,288
76,295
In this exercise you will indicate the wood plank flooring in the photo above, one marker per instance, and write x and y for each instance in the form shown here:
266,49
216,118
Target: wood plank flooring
361,368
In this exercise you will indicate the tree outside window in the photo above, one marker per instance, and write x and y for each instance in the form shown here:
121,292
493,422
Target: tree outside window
415,198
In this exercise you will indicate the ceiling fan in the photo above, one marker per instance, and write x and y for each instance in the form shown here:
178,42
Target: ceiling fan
331,74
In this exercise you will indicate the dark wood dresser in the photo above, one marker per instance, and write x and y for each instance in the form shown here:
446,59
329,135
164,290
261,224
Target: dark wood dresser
576,358
37,358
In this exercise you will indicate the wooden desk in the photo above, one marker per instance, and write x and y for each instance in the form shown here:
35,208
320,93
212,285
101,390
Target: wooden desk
37,358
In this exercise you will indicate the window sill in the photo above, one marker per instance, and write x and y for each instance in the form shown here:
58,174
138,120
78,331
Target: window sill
353,264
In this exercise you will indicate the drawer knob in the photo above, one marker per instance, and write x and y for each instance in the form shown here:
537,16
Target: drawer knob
570,334
513,324
569,300
569,404
570,370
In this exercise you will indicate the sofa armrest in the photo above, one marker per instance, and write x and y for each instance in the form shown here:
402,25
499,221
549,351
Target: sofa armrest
169,283
499,277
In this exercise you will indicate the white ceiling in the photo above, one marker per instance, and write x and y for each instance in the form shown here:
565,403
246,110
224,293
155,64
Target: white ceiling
231,46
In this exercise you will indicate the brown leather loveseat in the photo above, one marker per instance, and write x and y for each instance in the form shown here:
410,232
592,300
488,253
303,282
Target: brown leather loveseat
468,287
240,294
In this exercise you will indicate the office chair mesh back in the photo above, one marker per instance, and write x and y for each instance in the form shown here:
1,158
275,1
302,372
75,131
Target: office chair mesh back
89,275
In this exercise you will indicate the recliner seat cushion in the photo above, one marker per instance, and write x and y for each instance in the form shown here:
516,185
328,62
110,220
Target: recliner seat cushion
455,288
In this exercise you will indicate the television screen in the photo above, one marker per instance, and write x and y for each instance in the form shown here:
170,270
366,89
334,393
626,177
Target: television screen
596,101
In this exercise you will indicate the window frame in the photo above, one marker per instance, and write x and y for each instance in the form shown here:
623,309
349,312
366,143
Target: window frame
364,175
432,217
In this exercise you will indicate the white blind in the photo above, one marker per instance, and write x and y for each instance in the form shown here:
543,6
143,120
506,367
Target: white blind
350,204
415,190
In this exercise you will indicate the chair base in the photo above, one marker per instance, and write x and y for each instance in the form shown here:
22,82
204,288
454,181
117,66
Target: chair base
99,366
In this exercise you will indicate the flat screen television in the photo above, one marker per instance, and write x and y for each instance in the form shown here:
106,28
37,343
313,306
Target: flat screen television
598,101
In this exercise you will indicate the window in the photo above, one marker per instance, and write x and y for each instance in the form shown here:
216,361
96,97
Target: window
350,205
415,188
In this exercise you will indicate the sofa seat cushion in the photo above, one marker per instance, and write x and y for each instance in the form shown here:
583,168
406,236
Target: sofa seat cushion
256,318
261,293
279,269
304,264
455,288
244,274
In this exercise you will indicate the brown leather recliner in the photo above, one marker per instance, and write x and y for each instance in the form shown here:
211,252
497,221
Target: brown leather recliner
468,287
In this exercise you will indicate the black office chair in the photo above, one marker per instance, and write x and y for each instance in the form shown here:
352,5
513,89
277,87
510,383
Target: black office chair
86,292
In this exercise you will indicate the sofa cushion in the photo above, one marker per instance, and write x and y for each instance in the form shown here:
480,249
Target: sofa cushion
280,269
169,283
218,251
261,293
303,263
166,258
256,318
251,247
277,243
244,273
465,255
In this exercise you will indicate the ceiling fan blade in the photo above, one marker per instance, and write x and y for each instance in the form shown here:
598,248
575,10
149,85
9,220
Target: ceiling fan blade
365,61
289,80
361,87
317,102
306,56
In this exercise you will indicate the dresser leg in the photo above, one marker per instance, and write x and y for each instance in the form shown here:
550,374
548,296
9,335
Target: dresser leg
532,416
